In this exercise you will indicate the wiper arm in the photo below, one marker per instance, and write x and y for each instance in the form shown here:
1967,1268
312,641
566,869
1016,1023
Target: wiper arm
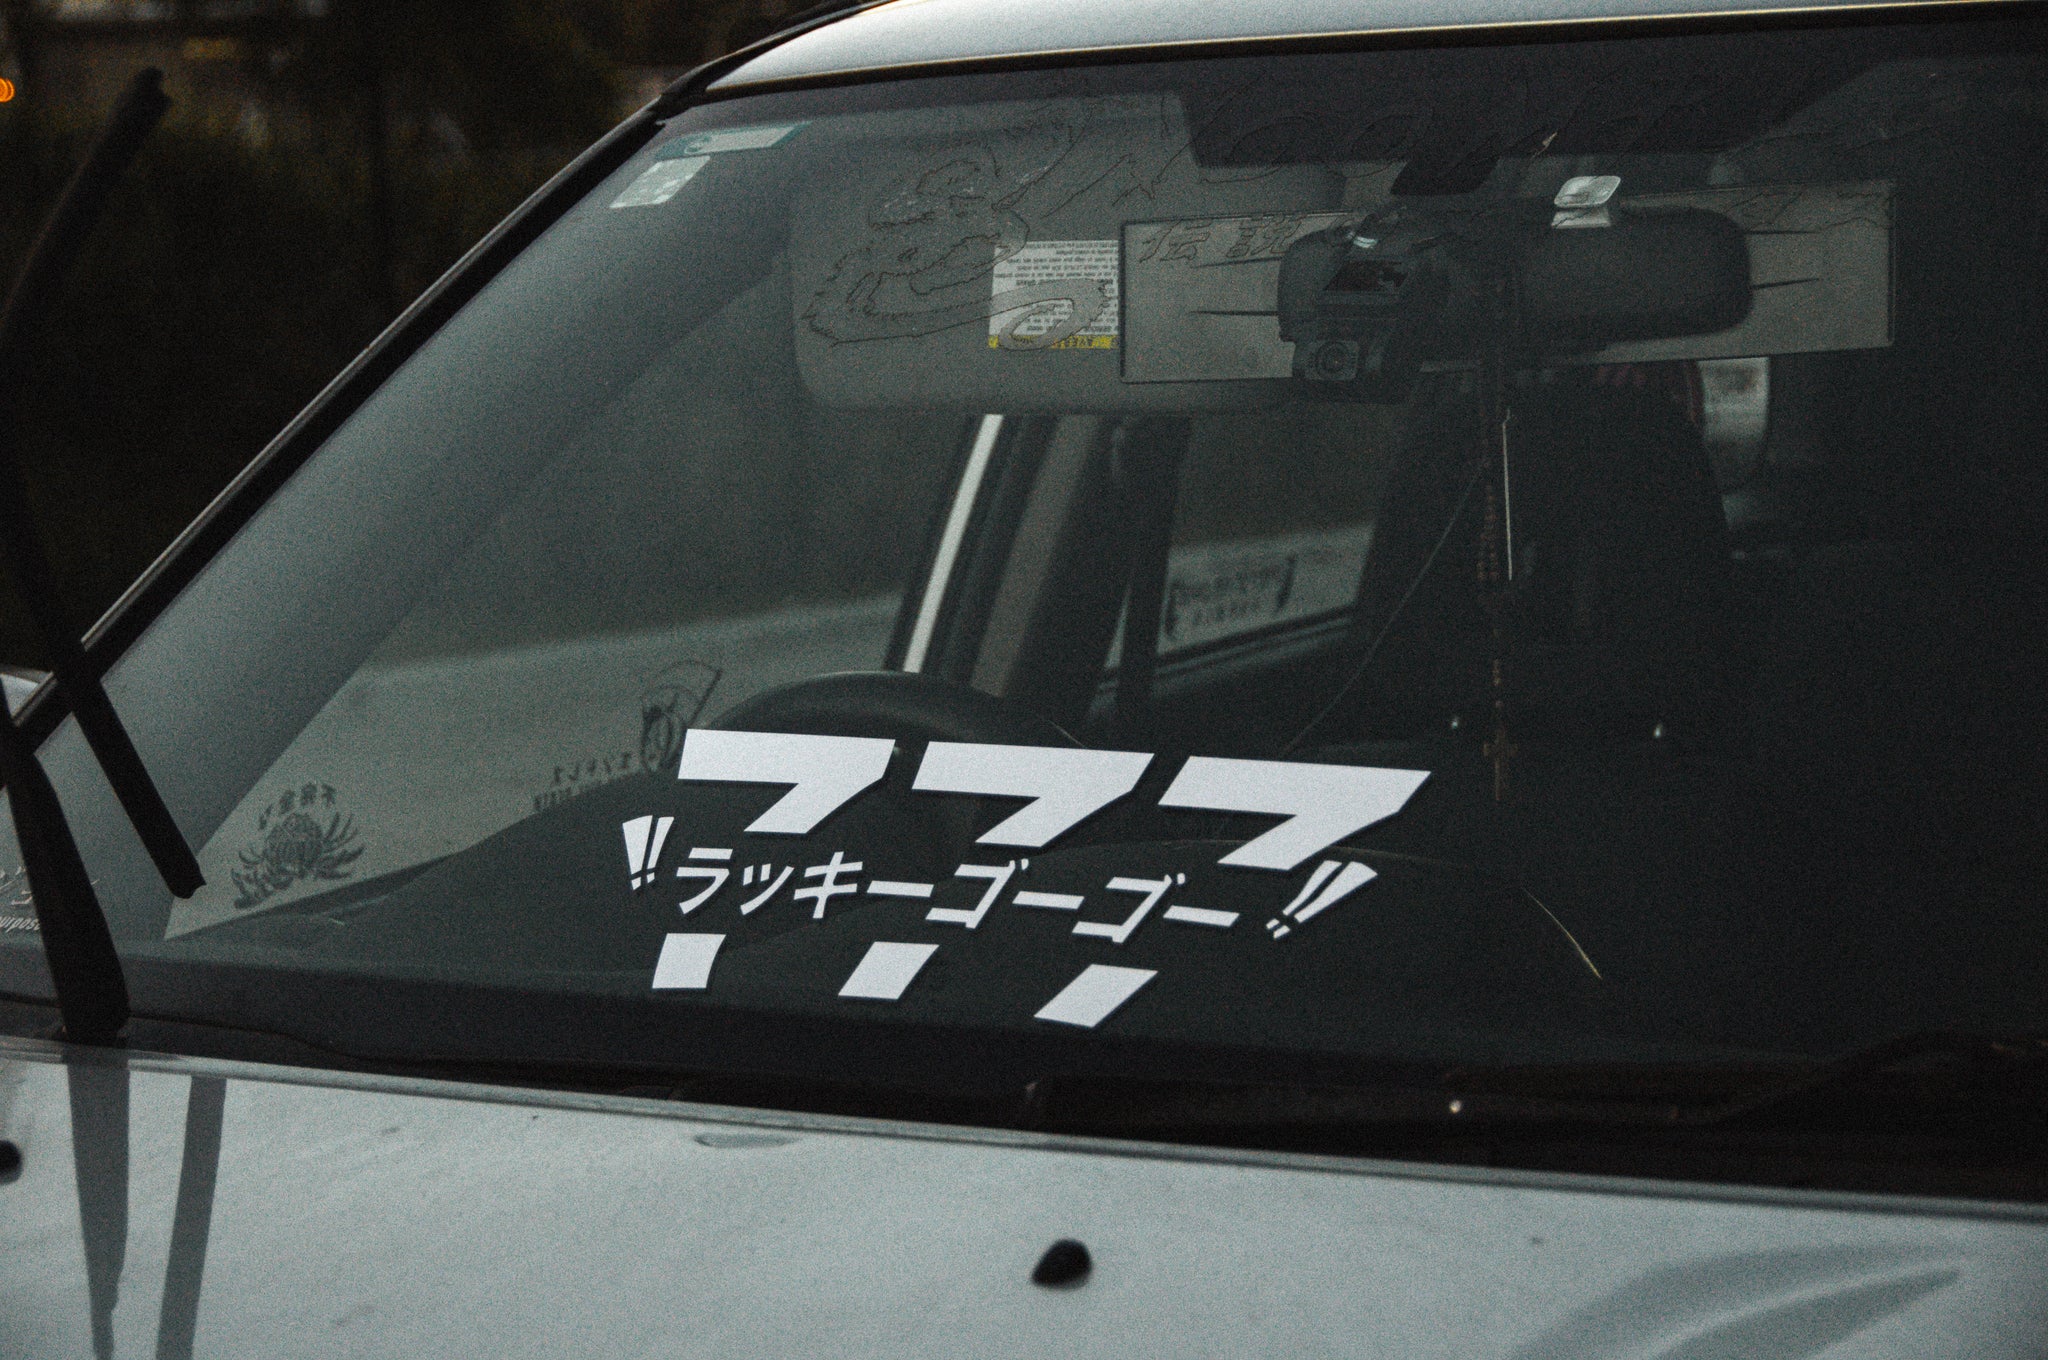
92,992
141,106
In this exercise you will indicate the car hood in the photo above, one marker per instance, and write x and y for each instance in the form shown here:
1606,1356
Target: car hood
369,1216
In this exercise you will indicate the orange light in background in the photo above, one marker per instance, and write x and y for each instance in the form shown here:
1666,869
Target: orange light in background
6,89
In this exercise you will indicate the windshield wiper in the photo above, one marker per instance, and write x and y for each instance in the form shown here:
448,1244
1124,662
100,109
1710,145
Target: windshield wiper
141,107
1993,1063
2009,1073
92,994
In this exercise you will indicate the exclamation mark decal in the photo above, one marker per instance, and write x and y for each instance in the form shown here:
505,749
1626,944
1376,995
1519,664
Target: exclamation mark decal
1322,890
642,851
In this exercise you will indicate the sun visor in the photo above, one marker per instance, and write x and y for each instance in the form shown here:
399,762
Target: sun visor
976,261
1820,271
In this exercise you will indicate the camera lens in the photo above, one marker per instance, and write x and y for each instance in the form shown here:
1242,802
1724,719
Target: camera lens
1334,361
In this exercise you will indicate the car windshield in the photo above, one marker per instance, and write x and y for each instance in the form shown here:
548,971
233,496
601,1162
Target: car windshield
1258,564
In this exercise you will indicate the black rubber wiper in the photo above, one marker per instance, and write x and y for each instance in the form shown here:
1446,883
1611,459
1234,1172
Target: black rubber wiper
2010,1067
2004,1073
1174,1109
84,199
92,994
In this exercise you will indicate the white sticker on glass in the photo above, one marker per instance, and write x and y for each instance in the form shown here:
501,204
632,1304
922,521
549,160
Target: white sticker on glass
728,139
1320,892
713,878
1065,786
685,962
643,850
1055,295
1322,803
1202,916
998,876
889,887
1149,889
1093,996
827,772
660,182
1051,901
886,970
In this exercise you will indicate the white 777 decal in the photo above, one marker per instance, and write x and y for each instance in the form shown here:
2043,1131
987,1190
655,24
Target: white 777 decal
1065,786
1322,803
827,772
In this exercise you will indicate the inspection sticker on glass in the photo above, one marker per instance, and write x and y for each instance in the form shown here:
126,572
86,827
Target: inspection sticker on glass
1055,295
660,182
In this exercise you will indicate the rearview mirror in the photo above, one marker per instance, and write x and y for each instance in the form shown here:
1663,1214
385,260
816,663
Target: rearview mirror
1649,276
1366,304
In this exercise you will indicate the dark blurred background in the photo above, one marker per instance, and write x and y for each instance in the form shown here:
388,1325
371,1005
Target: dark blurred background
323,161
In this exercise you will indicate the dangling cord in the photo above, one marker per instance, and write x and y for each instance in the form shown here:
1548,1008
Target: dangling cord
1496,567
1358,672
1493,593
1147,457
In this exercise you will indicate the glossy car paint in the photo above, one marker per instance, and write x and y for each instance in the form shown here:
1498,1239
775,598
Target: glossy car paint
913,33
373,1216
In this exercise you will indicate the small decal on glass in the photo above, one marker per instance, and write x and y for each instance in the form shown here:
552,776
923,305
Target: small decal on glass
886,970
685,962
1094,996
660,182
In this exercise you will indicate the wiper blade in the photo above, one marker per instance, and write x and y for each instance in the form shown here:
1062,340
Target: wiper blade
141,106
1170,1108
1992,1062
1615,1095
993,1103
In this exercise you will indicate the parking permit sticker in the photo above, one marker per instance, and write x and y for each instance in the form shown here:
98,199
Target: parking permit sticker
1055,295
728,139
660,182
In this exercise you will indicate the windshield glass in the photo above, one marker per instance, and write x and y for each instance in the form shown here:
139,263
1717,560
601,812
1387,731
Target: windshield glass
1256,564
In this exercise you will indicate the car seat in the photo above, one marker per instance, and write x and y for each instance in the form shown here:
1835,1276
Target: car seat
1612,618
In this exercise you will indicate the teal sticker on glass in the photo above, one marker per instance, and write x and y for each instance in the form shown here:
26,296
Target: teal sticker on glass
728,139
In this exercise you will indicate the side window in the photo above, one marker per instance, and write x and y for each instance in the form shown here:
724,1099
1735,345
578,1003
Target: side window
1274,518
